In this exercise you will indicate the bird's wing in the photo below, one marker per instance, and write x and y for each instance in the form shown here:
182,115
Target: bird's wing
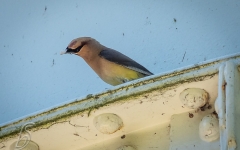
121,59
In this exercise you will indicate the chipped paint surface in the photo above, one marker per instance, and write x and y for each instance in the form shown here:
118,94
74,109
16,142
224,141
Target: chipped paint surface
227,104
194,98
184,132
145,106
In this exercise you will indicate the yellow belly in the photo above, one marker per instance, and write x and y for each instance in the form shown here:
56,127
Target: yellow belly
118,74
115,74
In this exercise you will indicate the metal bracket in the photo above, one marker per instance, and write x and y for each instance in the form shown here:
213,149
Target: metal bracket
227,106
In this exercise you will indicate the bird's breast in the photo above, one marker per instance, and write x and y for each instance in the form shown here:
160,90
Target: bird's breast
113,73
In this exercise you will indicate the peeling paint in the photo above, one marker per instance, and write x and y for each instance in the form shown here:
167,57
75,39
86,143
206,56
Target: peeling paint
69,114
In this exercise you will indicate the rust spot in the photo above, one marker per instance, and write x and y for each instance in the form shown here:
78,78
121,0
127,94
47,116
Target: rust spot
209,107
202,108
206,106
191,115
76,134
224,86
123,136
215,113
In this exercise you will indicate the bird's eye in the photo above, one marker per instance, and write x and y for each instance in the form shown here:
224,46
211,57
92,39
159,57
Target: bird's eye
79,48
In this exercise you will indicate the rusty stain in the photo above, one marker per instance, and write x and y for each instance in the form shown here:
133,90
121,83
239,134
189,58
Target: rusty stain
76,134
232,143
191,115
224,86
209,107
206,106
202,108
123,136
215,113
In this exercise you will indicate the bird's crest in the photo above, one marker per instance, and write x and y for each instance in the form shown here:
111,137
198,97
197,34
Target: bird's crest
72,44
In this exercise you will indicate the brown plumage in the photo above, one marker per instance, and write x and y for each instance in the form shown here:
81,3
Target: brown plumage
111,66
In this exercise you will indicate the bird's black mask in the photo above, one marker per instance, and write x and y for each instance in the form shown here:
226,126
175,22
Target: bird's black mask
74,51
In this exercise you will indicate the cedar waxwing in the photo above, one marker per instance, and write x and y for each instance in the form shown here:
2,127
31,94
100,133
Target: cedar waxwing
111,66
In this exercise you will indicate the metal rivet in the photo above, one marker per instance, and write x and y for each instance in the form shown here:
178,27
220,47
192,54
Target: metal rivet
194,97
108,123
209,128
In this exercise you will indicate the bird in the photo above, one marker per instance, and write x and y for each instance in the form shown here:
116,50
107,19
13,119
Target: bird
110,65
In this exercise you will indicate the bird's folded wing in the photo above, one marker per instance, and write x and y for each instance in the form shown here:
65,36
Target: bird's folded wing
119,58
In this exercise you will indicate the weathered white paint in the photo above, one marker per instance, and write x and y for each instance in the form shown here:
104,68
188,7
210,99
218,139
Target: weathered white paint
184,132
161,35
227,104
151,111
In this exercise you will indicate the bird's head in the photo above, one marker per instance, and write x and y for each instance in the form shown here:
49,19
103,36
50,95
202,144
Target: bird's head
76,45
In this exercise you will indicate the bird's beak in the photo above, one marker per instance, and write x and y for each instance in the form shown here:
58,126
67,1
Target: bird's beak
68,51
63,52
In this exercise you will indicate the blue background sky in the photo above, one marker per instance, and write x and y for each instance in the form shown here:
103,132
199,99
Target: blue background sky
34,76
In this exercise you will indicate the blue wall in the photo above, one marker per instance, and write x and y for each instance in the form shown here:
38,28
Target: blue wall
33,76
